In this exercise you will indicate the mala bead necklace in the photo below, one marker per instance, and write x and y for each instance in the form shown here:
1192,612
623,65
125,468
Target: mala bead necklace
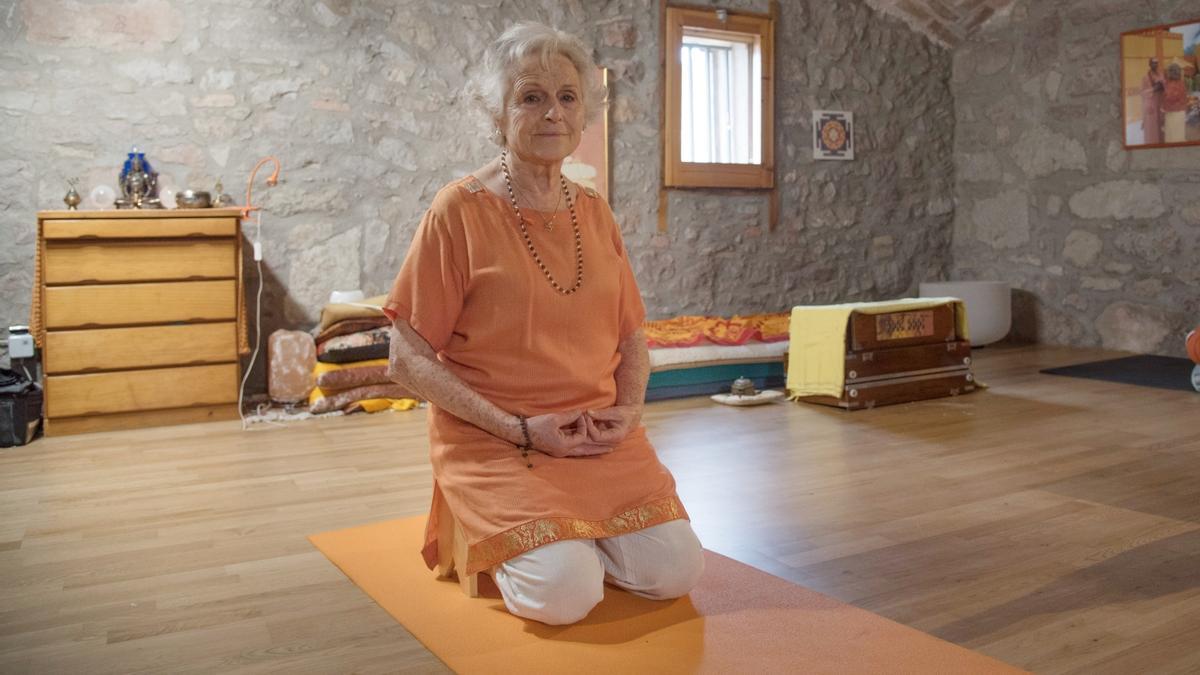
537,259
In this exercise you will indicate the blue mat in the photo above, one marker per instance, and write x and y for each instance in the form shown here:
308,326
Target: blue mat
1144,370
708,380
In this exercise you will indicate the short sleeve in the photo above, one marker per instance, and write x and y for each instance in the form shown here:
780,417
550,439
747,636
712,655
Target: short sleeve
632,311
428,291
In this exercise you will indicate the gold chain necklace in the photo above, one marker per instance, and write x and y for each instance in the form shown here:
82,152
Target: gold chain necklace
529,242
548,225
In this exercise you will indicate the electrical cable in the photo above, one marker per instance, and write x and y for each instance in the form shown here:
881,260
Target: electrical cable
247,209
257,315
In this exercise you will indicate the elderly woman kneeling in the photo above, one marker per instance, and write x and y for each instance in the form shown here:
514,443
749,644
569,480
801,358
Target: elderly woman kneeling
517,316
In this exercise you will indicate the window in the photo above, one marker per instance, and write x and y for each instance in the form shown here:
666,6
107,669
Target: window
718,121
720,101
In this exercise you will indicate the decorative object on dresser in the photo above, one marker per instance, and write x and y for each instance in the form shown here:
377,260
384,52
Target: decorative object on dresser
138,183
72,197
193,199
221,199
868,354
140,317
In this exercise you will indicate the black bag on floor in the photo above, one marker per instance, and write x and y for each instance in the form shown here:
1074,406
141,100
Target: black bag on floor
20,408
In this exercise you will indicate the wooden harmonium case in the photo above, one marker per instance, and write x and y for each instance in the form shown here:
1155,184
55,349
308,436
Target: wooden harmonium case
900,357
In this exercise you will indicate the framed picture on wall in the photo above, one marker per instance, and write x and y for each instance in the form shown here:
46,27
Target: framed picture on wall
1160,86
588,165
833,134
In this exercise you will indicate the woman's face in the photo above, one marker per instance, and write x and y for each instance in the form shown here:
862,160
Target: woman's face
543,112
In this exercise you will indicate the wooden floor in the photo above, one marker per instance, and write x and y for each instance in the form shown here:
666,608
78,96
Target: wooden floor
1051,522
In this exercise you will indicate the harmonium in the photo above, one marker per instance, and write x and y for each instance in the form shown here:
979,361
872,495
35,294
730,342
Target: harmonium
902,356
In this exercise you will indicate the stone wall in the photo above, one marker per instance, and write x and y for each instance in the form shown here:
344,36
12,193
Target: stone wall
1099,241
363,101
947,23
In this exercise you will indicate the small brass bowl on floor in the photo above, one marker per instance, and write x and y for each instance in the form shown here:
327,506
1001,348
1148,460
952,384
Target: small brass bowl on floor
742,387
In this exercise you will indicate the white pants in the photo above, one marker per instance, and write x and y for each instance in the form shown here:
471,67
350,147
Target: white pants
560,583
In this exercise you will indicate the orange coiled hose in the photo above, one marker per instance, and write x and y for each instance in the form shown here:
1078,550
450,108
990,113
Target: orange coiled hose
1193,345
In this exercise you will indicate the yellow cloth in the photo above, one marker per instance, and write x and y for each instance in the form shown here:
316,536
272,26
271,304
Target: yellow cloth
817,352
373,405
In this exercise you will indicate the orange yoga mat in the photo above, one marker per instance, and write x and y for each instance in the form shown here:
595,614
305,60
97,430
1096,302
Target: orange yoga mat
737,620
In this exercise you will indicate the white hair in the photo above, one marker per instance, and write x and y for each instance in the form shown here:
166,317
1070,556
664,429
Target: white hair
490,86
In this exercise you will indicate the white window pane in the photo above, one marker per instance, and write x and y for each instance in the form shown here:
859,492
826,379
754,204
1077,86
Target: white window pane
720,101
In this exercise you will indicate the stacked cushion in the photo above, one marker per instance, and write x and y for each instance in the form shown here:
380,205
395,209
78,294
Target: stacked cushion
350,372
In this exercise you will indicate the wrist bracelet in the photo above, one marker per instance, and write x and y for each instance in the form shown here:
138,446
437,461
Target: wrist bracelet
528,441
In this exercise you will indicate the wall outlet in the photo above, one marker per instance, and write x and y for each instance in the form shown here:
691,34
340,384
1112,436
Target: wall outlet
20,346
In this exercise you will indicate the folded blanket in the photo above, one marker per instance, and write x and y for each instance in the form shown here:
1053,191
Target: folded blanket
321,401
817,353
687,331
364,309
361,346
356,374
347,326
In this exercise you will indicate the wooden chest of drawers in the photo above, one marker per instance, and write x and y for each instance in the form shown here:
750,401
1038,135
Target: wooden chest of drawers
140,318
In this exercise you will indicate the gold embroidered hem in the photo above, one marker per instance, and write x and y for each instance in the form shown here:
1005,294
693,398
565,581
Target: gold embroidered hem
528,536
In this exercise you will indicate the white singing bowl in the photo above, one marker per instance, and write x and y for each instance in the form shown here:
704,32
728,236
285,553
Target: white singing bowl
988,303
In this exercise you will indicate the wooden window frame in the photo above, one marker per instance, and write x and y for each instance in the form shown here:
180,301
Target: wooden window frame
680,174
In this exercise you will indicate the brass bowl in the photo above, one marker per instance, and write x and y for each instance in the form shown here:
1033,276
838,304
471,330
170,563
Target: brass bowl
743,386
192,199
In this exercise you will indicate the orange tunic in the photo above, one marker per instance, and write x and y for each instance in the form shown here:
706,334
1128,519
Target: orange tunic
470,288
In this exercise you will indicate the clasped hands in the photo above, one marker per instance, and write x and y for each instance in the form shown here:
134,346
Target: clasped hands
582,433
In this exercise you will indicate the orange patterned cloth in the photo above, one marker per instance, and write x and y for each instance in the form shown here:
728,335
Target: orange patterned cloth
688,331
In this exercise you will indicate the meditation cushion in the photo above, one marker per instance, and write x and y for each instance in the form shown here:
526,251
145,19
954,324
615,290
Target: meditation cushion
361,346
347,326
321,401
334,376
340,311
